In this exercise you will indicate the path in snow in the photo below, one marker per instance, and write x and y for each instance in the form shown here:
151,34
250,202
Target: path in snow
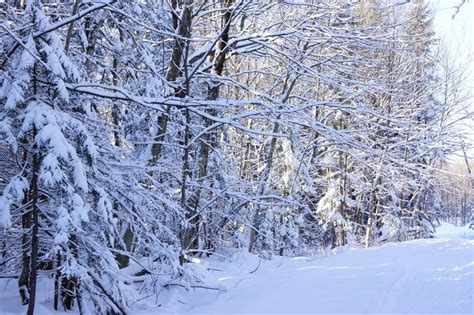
429,276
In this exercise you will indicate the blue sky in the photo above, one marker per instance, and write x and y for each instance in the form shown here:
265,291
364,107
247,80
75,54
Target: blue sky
457,34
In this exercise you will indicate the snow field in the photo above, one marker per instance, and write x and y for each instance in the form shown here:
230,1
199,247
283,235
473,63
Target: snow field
426,276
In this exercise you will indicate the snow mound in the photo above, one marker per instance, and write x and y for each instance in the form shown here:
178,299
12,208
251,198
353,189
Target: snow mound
446,230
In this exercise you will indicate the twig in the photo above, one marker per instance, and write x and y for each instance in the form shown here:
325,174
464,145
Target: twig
194,286
259,261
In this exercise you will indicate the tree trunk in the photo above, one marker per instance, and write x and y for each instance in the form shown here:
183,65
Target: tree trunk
57,279
69,285
186,173
258,215
124,260
23,281
70,27
373,212
183,25
34,232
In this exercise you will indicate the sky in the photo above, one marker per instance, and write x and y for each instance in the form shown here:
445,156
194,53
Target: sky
456,32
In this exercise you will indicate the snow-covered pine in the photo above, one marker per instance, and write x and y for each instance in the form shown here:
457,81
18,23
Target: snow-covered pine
68,197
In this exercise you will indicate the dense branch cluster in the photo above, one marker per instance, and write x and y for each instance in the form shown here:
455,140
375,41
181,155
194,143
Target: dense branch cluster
137,134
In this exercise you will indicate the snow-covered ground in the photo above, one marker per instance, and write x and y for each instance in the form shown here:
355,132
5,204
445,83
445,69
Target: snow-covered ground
427,276
447,230
422,276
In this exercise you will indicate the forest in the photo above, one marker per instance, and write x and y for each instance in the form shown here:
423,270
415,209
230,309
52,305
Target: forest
137,136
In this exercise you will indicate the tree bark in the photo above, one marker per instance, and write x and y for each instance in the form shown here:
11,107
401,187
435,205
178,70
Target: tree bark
34,232
23,281
183,25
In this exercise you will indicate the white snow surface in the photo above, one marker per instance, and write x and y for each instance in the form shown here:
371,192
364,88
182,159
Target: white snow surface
447,230
426,276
